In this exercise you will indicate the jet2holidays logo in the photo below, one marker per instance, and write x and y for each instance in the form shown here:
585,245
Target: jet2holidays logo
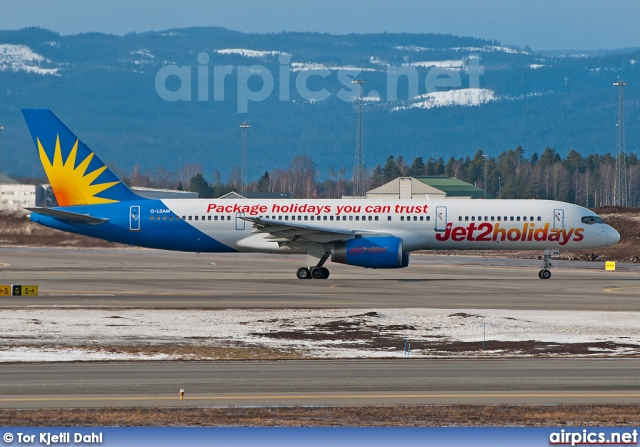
311,82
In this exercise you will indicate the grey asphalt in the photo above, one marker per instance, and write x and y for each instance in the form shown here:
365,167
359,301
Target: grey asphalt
154,279
158,279
404,381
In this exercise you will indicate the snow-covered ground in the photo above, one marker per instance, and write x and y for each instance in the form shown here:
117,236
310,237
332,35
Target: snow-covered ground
22,58
71,333
461,97
251,53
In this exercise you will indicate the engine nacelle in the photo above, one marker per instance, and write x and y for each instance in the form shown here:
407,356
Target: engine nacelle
383,252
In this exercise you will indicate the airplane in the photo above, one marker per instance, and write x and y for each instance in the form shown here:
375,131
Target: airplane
379,233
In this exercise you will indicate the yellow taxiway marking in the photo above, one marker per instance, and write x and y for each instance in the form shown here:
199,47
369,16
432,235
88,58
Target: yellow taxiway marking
616,289
304,396
4,264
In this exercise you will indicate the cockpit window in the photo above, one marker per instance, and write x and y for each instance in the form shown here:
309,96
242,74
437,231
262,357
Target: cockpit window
590,220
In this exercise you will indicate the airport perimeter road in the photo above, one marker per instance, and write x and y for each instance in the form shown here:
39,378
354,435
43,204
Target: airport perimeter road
160,279
405,381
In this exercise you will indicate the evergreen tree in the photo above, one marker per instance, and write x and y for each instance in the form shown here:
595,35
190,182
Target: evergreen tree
417,167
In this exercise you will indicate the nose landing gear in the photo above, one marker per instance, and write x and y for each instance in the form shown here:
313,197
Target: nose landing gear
545,273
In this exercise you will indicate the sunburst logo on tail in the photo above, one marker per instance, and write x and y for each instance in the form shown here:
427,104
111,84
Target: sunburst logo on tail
71,184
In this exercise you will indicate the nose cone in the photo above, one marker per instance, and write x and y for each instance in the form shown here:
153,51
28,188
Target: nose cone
612,236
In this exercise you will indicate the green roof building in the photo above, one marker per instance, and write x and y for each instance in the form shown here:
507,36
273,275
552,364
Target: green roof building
453,187
427,187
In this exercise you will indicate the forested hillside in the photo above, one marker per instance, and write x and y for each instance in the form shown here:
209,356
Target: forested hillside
421,100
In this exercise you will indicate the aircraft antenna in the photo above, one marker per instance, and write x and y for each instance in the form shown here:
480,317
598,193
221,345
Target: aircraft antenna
243,158
358,168
621,192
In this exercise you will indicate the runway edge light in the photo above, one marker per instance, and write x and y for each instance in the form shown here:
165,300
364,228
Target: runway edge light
610,266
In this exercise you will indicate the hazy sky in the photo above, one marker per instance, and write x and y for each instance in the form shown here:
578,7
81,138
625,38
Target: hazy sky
542,24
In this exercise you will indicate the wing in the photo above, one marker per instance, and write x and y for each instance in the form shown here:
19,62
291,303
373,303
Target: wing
292,232
68,216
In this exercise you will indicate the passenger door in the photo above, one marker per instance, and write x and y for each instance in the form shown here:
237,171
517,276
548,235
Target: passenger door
558,219
134,218
441,218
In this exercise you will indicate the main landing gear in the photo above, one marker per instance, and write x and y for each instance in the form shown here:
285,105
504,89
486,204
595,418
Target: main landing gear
317,255
545,273
313,272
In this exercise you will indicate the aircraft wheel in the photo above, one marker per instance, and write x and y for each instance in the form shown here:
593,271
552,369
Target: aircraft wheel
545,274
540,274
317,273
325,273
303,273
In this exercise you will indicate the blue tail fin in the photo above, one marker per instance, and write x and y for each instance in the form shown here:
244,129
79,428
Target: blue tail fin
77,176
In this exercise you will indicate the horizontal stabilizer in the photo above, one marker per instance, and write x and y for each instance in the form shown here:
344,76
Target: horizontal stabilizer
67,215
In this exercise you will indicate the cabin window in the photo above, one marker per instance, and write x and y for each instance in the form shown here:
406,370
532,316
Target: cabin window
202,217
460,218
518,218
164,217
524,218
324,217
389,218
421,218
190,217
208,217
415,218
402,218
196,218
492,218
479,218
357,217
228,217
370,217
171,217
330,217
473,218
215,217
150,217
539,218
311,217
512,219
344,217
306,217
376,218
531,218
350,217
428,218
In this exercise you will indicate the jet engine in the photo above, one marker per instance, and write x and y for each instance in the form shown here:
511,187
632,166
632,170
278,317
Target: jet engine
384,252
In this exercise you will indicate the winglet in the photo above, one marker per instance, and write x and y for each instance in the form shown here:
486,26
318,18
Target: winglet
77,176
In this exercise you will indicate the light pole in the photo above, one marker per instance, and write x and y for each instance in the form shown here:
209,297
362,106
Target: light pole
485,156
1,129
243,158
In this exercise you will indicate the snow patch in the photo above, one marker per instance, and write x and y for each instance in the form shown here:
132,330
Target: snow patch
483,49
462,97
143,53
21,58
438,64
537,66
75,334
312,66
252,53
